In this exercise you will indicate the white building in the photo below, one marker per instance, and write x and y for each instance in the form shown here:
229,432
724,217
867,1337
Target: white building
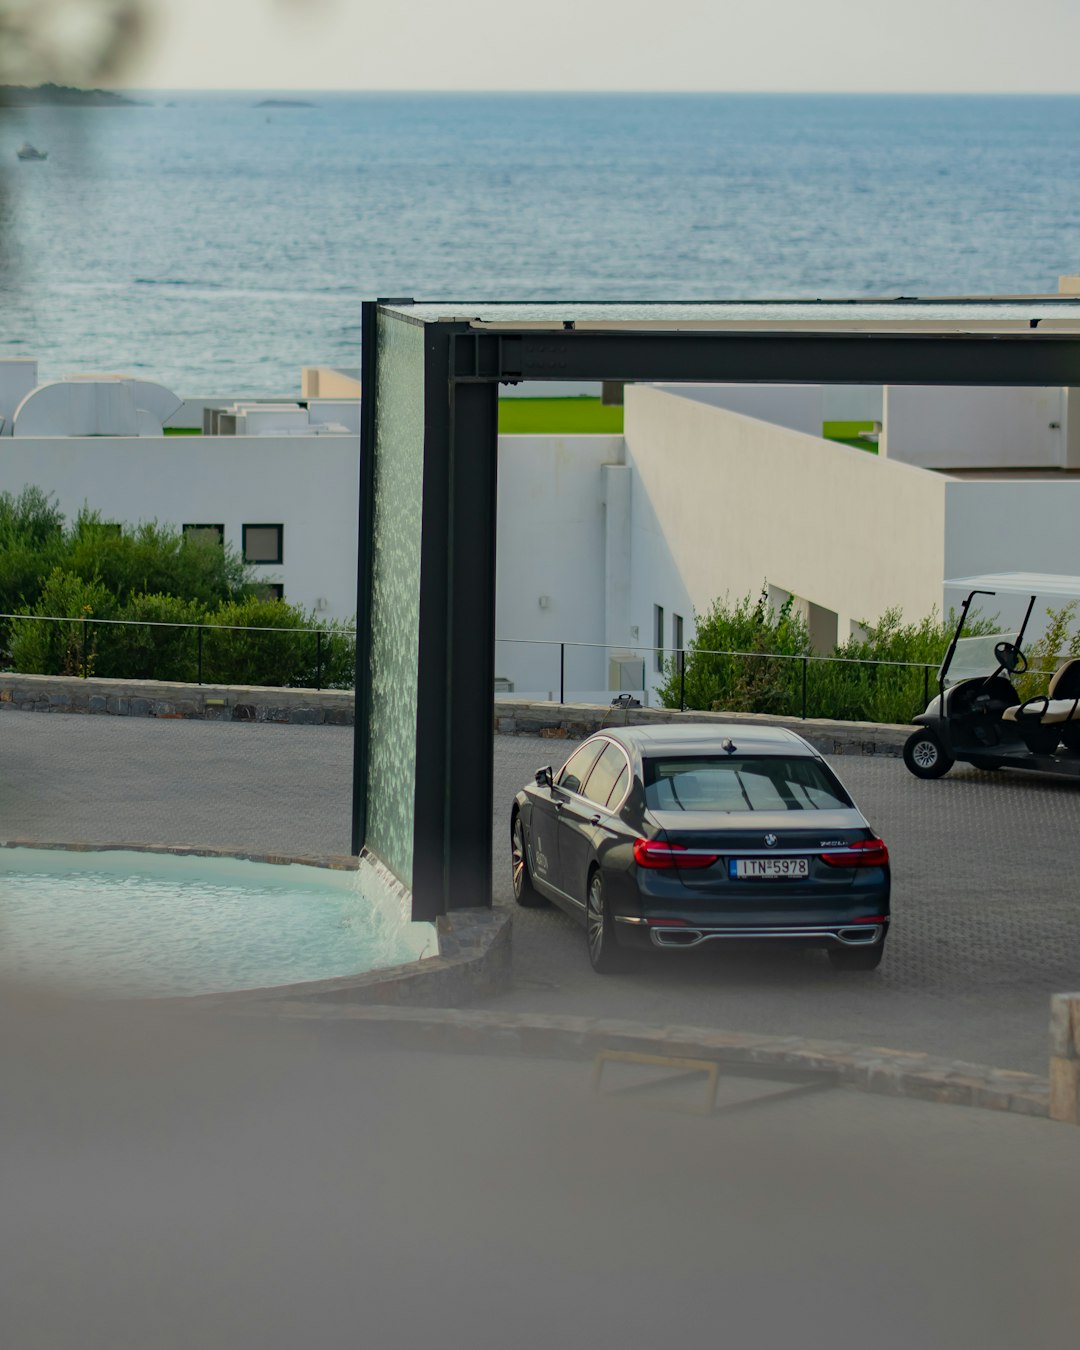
612,542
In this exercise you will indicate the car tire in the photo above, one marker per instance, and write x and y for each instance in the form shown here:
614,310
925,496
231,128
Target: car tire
605,955
857,958
525,893
925,756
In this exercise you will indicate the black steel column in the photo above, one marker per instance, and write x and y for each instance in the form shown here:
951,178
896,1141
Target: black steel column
430,864
364,552
471,670
453,800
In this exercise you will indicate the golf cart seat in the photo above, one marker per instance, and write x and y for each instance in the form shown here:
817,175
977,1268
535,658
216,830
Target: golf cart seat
1060,704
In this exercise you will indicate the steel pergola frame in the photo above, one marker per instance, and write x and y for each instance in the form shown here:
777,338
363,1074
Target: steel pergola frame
464,363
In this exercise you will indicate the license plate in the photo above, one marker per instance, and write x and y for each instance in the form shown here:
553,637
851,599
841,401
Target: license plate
769,868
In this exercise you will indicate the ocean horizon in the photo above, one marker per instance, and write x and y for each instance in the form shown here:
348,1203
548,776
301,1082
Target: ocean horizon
217,246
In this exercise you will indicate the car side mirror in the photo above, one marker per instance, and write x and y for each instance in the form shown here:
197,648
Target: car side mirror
544,777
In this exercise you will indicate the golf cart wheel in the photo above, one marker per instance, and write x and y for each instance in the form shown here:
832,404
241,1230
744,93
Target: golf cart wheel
925,756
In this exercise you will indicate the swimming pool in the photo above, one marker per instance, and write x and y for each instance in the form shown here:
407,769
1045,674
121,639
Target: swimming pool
130,923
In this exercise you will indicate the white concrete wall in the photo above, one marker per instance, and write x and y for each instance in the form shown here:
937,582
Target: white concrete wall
552,543
852,402
18,376
796,406
308,484
723,502
966,428
801,407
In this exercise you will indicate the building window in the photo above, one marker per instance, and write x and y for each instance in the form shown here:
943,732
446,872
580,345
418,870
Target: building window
677,632
263,543
272,590
206,534
658,634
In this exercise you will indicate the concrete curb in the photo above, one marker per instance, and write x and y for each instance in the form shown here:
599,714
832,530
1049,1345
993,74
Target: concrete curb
894,1073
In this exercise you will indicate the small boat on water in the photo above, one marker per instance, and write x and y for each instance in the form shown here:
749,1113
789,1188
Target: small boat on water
28,151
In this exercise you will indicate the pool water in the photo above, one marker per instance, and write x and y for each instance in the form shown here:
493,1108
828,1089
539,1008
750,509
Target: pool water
136,924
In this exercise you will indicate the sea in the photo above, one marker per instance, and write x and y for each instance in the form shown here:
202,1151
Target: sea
218,244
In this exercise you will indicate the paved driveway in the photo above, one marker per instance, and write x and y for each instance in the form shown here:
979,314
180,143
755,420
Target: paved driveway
985,878
986,905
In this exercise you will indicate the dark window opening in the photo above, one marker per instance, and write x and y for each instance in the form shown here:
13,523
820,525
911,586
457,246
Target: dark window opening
263,543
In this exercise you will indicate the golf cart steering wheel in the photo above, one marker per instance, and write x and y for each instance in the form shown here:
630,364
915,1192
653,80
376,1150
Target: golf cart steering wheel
1010,658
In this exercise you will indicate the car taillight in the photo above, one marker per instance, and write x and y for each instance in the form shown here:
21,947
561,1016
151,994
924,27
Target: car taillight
655,853
859,853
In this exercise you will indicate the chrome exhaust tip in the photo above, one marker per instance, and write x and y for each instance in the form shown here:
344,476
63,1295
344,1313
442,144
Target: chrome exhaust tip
676,937
863,936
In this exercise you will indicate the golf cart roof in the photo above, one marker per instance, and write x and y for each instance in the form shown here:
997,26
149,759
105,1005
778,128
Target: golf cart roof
1020,583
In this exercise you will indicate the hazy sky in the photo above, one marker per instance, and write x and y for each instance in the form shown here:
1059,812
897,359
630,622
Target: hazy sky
856,45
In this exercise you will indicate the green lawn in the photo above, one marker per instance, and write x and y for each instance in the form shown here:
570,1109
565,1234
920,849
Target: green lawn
558,416
847,433
183,431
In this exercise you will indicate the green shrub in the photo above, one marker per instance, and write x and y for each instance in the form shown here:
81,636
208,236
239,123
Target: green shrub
256,656
153,559
1047,652
59,648
31,546
149,652
870,692
855,688
740,683
331,660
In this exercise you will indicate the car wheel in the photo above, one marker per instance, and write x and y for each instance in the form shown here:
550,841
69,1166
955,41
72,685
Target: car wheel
605,956
525,893
925,756
857,958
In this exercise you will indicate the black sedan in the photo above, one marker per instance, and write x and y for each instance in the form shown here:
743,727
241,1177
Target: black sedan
673,836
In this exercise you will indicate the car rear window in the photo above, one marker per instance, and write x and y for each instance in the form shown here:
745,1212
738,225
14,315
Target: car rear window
728,783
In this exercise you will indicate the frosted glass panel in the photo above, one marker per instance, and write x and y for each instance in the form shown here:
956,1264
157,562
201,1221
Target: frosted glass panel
395,594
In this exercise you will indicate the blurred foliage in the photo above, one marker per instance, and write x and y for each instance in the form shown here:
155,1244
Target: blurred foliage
69,41
1056,644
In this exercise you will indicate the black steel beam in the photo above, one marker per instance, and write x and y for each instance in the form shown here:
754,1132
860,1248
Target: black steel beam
1026,358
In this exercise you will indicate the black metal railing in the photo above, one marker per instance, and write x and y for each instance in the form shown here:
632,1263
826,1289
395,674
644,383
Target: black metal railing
206,653
802,690
789,684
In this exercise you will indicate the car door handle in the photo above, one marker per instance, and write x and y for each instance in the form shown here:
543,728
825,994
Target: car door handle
595,820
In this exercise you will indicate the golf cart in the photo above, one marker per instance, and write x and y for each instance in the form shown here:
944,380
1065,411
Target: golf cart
978,717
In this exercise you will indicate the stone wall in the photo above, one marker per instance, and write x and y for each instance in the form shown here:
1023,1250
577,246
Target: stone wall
162,698
334,707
